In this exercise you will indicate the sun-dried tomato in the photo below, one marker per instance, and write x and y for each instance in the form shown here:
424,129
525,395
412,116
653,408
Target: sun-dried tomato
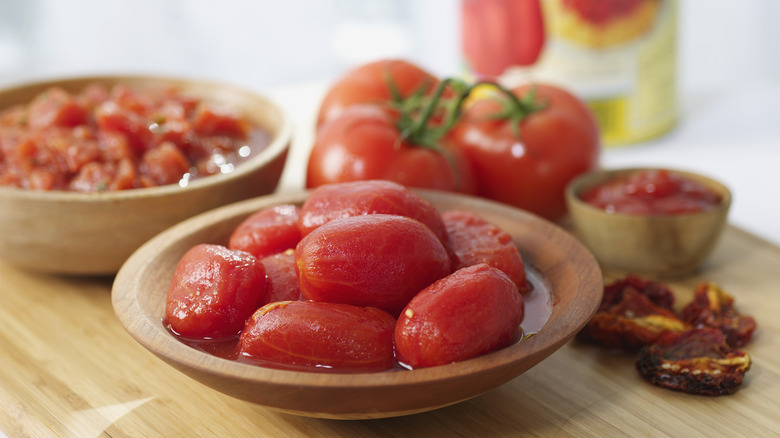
714,307
659,293
632,322
697,361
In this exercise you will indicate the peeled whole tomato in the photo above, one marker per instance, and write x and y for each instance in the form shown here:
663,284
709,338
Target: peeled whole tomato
469,313
339,200
321,335
375,260
213,291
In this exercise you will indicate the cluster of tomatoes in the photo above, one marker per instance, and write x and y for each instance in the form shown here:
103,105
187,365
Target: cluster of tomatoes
391,119
363,276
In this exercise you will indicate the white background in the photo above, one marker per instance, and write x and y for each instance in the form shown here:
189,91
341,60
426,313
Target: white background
729,67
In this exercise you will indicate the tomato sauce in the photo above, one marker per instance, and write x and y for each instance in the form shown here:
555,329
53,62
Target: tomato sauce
120,138
652,192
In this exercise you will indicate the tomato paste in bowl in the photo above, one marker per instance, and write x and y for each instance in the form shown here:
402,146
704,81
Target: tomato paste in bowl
648,221
652,192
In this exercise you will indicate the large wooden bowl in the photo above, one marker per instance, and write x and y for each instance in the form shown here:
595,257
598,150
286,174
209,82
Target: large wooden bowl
661,246
568,269
94,233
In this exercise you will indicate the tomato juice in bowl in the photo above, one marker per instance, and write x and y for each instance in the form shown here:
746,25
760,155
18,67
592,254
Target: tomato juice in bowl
659,222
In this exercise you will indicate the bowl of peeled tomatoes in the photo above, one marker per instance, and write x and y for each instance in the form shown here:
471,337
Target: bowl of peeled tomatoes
92,167
357,300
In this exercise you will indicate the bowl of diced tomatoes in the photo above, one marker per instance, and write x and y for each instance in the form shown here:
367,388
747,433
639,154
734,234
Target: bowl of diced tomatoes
357,300
92,167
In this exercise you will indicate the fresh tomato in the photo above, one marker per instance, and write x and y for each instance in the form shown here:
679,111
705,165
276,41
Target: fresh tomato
268,231
334,201
213,292
527,155
319,336
366,142
471,312
371,84
376,260
473,240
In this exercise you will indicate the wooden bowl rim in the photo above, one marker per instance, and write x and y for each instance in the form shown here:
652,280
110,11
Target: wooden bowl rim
128,308
590,179
280,139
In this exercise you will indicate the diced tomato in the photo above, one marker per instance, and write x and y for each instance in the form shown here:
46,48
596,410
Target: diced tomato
165,164
214,120
56,108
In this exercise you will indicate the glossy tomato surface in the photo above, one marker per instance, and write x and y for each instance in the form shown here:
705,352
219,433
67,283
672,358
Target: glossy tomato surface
281,279
268,231
334,201
375,260
473,240
471,312
528,165
371,84
213,292
322,335
365,143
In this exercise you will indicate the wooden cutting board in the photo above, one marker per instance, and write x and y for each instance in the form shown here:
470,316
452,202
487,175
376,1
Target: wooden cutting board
67,368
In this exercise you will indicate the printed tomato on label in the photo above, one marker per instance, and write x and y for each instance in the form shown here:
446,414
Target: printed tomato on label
527,145
322,335
213,292
376,260
471,312
334,201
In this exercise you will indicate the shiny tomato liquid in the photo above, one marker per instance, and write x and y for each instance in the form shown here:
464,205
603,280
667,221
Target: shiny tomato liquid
652,192
538,302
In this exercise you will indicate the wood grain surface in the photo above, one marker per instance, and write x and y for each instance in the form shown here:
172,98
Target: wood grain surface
67,368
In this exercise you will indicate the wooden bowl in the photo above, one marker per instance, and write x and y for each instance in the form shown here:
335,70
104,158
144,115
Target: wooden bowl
568,270
661,246
94,233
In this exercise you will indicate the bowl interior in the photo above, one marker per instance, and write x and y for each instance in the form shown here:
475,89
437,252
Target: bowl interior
570,271
94,233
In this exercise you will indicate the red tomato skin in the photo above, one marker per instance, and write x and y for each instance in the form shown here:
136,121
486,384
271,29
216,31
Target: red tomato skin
320,335
531,172
269,231
375,260
281,279
213,292
469,313
368,84
334,201
363,143
473,240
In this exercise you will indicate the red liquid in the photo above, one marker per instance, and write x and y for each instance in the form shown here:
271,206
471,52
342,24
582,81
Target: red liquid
652,192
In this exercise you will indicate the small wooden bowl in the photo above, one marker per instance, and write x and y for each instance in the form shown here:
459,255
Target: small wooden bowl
661,246
570,271
94,233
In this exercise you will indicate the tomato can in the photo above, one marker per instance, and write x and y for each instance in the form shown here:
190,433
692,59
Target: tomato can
619,56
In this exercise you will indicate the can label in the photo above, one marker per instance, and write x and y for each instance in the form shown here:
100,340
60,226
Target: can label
617,55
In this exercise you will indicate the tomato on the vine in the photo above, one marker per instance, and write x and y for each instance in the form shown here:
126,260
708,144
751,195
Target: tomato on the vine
369,84
525,151
365,142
